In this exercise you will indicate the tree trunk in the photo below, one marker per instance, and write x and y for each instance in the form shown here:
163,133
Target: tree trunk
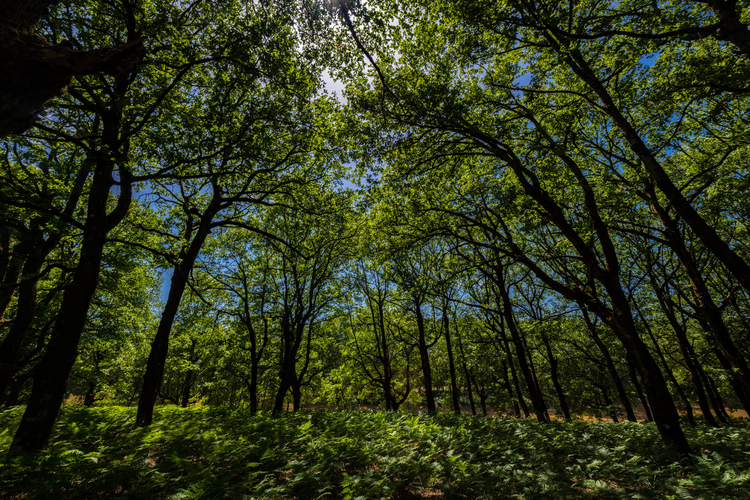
379,328
157,358
716,399
90,397
639,391
540,408
611,368
186,386
553,363
285,383
469,391
296,396
739,389
424,357
686,351
712,317
483,402
451,365
52,372
509,388
659,398
292,337
12,273
253,389
609,406
26,311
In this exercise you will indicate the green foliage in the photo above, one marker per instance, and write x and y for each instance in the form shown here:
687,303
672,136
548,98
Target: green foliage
217,453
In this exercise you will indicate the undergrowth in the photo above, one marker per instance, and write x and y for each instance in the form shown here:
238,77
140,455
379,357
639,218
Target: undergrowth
216,453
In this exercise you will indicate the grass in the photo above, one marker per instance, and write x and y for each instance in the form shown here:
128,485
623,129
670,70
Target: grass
216,453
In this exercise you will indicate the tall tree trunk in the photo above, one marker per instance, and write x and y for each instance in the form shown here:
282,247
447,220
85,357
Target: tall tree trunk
186,387
152,378
670,375
286,375
534,377
380,333
639,391
424,356
516,383
253,389
292,334
553,364
660,400
461,353
540,408
451,365
509,388
610,367
296,396
52,372
716,399
157,357
685,350
188,384
469,391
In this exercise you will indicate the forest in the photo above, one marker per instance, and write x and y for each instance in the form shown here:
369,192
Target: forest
355,249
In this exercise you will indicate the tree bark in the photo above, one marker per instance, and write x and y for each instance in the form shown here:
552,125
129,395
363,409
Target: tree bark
424,357
52,372
611,368
26,311
553,365
451,365
157,357
540,408
13,269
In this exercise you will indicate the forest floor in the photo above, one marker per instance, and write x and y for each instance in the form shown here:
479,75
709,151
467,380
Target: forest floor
216,453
